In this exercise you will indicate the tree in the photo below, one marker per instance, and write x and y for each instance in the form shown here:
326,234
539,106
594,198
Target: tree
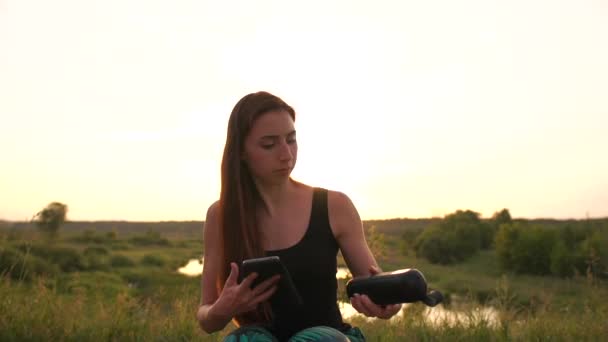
376,242
456,238
51,218
501,217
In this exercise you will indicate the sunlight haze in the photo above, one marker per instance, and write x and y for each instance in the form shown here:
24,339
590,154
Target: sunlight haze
413,109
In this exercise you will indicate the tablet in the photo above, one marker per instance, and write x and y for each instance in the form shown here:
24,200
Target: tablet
267,267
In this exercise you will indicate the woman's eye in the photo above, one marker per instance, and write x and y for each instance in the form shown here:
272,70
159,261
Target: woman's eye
291,141
267,146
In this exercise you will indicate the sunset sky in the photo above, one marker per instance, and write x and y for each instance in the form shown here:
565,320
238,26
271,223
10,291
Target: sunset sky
118,108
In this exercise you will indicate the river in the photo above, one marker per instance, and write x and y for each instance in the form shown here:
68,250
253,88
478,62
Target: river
438,315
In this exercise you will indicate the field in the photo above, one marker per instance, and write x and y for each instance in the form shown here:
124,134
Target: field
101,281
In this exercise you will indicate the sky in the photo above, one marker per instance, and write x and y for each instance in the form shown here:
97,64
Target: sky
118,108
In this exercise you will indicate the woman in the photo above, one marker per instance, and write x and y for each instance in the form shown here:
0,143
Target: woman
262,211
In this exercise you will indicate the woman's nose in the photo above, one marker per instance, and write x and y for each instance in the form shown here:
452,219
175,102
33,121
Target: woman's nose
285,152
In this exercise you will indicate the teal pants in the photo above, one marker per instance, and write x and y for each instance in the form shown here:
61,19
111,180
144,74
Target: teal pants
314,334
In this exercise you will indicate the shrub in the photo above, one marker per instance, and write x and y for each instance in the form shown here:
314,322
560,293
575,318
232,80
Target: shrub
96,262
89,236
456,238
530,249
595,252
153,260
20,266
121,261
97,250
68,259
151,238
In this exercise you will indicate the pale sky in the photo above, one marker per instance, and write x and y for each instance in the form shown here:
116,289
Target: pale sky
412,108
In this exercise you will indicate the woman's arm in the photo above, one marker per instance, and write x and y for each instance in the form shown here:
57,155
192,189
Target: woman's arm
216,310
209,320
348,230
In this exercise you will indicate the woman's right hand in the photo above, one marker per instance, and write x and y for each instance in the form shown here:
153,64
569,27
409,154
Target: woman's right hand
237,298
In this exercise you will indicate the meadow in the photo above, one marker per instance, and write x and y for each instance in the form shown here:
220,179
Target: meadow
98,281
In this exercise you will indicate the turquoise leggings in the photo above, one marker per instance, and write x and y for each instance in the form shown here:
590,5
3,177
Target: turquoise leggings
316,334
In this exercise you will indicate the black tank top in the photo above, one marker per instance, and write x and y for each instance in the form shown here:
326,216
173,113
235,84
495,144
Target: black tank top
312,265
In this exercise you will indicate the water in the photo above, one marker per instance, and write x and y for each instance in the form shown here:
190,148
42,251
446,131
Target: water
438,315
194,268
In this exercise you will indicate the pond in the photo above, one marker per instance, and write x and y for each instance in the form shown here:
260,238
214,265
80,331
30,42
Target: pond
438,315
194,268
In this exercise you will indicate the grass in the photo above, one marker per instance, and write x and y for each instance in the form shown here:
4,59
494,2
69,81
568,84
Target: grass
37,312
152,302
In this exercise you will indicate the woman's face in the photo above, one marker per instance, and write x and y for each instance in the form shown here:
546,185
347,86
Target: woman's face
270,149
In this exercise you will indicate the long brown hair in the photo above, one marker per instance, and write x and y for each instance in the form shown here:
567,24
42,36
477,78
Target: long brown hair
239,197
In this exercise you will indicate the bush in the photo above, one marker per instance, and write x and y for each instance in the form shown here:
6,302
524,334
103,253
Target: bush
96,250
153,260
20,266
456,238
121,261
594,250
532,253
151,238
96,262
533,249
68,259
89,236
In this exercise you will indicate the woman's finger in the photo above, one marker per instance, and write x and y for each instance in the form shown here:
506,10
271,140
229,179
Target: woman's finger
233,276
355,301
373,269
369,306
389,311
264,295
246,283
263,286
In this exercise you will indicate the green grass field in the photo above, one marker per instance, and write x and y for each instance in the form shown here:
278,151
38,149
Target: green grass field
144,298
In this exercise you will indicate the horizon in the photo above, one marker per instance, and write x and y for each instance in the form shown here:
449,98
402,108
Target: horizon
416,109
362,220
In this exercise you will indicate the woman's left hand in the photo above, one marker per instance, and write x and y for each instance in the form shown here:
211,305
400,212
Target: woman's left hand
363,304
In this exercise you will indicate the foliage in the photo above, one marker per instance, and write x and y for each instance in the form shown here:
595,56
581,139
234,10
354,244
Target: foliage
408,239
89,236
20,266
121,261
131,301
455,238
153,260
95,250
501,217
563,251
66,258
376,242
51,218
151,238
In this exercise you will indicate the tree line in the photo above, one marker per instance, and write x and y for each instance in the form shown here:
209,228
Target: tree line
563,249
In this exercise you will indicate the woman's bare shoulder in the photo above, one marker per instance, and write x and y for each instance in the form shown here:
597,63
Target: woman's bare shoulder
212,219
213,209
343,216
338,201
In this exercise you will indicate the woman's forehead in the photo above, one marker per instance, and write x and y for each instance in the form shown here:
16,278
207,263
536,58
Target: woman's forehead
274,123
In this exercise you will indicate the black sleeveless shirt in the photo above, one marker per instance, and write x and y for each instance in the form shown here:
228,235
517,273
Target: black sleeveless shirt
312,266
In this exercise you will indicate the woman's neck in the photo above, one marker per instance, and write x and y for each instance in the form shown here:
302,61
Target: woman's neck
276,195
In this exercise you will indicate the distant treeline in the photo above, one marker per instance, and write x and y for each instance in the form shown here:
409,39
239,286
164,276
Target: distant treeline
544,246
169,229
392,227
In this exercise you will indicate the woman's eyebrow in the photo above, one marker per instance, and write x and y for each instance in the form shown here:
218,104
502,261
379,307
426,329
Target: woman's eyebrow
277,136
